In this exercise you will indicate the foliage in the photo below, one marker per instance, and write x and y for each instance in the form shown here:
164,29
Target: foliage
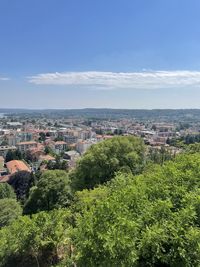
13,155
184,140
28,156
193,148
59,138
49,150
118,131
159,156
42,240
10,210
21,182
58,164
42,136
101,161
148,220
84,199
52,191
4,143
6,191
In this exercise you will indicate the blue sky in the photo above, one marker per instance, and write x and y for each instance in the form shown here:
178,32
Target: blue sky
100,53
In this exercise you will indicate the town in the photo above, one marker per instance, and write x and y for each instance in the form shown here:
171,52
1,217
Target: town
54,142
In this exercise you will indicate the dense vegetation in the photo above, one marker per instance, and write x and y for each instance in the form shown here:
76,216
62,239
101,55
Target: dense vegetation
52,191
148,220
119,207
184,140
102,161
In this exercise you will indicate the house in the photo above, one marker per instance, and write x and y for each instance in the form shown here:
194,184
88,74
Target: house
14,166
46,158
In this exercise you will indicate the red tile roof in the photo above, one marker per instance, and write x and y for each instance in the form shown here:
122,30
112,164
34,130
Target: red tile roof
14,166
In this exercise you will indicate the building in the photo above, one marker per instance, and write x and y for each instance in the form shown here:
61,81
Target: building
14,166
24,146
71,157
14,125
70,139
11,139
46,158
82,146
84,135
60,146
3,170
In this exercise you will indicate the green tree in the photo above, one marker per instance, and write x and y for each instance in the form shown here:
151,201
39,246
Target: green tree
193,148
159,156
100,163
22,182
49,150
53,190
13,155
4,143
148,220
59,164
42,240
10,210
6,191
42,136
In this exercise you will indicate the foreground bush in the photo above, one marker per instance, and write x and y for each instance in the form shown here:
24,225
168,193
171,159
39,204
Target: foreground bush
149,220
42,240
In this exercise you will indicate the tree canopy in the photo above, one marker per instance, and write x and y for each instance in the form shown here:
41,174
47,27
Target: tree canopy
6,191
52,191
125,214
148,220
100,163
37,241
13,155
21,182
10,210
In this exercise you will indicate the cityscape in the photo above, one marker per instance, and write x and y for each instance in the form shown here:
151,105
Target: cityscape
99,133
42,139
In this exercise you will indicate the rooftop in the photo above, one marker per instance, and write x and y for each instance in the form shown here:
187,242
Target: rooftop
60,143
27,143
14,166
46,157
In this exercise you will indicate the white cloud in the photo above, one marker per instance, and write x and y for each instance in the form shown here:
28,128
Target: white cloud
115,80
4,78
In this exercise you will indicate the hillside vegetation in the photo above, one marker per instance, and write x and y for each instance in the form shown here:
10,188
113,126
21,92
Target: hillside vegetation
117,208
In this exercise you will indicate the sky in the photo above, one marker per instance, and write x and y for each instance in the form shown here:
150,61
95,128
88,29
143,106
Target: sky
99,54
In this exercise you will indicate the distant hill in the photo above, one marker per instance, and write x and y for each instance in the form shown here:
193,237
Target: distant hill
104,113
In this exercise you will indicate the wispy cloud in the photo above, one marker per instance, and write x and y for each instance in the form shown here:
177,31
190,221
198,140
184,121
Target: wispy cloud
4,78
115,80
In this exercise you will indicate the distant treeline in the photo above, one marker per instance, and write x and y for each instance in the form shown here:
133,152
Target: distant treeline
176,115
186,140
